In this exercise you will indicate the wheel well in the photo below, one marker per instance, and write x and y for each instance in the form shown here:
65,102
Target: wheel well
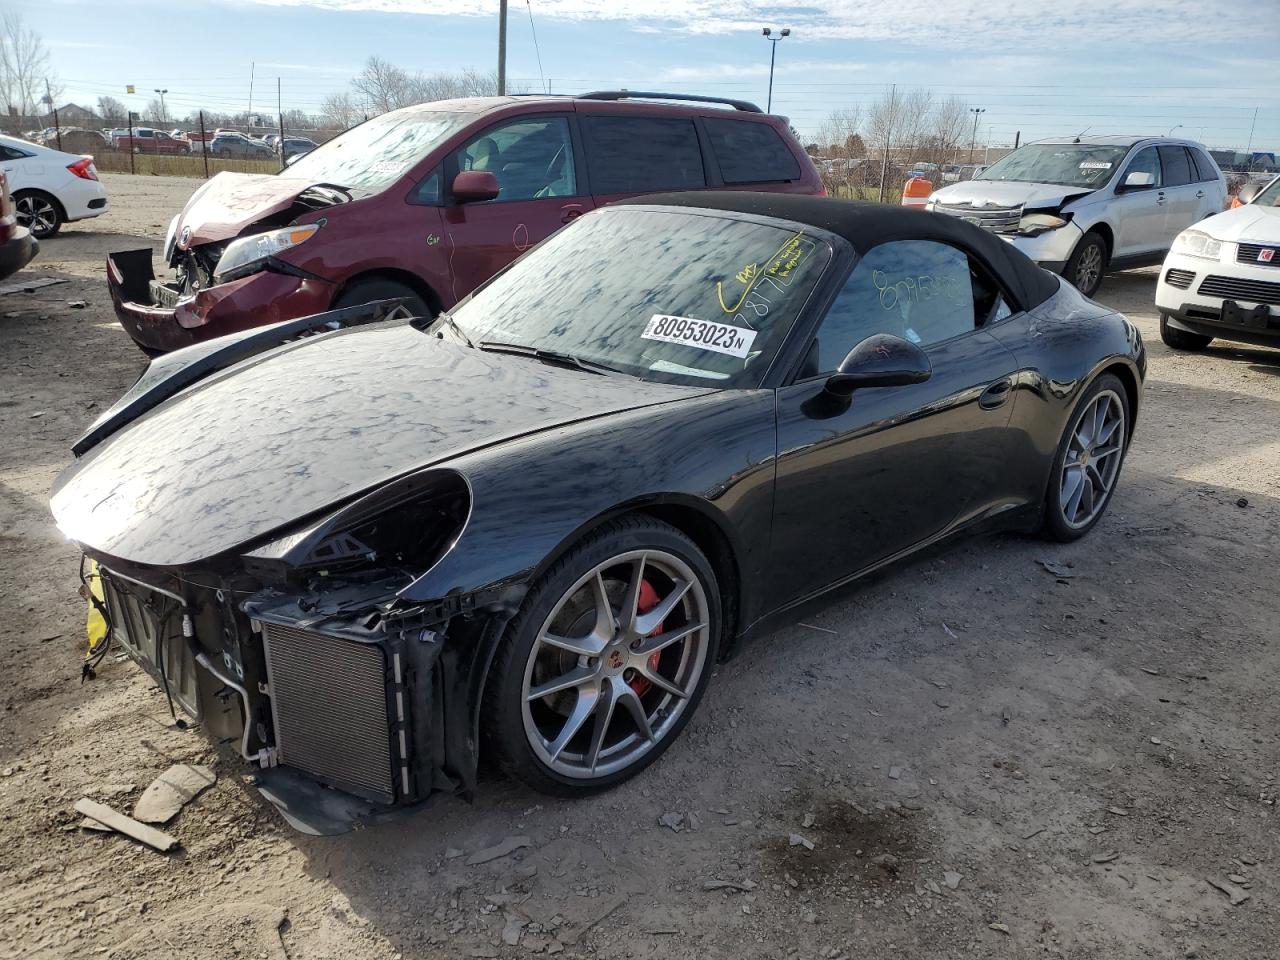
1108,238
1130,381
716,548
410,280
32,191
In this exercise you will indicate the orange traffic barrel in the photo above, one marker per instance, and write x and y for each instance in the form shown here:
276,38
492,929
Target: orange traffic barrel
916,192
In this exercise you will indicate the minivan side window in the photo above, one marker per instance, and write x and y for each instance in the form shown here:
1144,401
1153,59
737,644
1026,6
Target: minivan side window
919,290
1177,168
532,157
750,152
640,154
1146,161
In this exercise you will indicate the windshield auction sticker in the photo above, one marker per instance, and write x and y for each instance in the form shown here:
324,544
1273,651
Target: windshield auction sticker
700,334
1095,165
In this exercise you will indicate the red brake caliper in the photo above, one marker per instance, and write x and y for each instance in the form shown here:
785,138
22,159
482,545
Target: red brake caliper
648,600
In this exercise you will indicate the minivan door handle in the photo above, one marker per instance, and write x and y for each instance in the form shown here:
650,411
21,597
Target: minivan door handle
996,394
1160,198
1199,194
570,211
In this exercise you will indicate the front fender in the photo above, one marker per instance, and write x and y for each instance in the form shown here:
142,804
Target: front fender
534,497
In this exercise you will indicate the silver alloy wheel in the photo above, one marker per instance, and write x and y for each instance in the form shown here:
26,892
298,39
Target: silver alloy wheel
605,683
1089,269
36,214
1092,460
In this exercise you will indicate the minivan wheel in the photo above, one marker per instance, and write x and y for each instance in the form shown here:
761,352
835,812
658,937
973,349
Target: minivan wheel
1087,262
369,291
1176,339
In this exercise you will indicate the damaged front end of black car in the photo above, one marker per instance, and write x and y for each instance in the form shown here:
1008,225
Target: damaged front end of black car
314,651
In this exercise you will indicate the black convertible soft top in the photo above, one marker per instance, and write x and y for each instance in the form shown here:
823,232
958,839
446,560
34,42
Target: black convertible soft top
865,225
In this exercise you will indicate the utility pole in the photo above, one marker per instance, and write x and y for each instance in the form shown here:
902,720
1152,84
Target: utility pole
773,55
502,48
888,138
280,116
164,114
973,138
57,127
248,117
1249,149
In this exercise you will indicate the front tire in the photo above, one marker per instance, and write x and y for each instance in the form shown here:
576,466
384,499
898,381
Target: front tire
1087,263
606,661
369,291
1176,339
1087,465
39,213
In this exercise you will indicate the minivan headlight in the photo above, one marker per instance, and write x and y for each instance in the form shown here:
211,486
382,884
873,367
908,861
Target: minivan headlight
1197,243
250,254
1033,223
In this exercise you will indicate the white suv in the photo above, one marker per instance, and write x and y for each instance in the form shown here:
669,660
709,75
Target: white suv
1084,205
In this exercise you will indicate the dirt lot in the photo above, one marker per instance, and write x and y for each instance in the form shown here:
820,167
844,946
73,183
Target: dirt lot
989,761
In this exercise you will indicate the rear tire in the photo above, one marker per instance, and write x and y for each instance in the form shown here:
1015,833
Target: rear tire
1176,339
1087,263
1086,468
368,291
39,212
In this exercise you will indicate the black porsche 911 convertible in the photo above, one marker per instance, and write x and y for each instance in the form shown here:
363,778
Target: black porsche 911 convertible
369,549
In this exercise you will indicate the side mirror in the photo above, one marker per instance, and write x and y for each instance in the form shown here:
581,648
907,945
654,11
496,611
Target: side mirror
1138,180
471,186
881,360
1248,192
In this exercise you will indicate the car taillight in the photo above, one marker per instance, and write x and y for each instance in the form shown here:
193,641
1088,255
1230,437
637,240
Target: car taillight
84,168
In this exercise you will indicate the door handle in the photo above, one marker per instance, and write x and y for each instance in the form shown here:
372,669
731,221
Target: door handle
1160,200
996,394
570,211
1199,194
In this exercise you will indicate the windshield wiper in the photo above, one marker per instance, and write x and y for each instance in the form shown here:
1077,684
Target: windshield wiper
548,356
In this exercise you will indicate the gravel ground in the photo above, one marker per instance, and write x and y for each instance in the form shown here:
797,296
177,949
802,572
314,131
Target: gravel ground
988,761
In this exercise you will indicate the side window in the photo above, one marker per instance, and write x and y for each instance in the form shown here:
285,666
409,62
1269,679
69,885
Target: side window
919,290
532,158
750,152
1177,168
638,154
1204,168
428,192
9,153
1147,161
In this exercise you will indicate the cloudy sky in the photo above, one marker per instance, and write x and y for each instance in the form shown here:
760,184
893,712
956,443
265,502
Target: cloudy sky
1132,66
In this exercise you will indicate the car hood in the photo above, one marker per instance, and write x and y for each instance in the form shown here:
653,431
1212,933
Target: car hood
293,432
228,203
1249,222
1008,193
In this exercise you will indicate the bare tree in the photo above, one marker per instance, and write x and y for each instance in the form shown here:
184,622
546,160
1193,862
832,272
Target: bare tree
24,67
339,111
843,149
947,125
158,112
112,111
384,86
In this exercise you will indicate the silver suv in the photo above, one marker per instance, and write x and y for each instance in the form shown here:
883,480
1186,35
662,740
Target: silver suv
1084,205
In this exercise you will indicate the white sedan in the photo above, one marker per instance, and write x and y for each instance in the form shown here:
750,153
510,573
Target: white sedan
50,187
1222,277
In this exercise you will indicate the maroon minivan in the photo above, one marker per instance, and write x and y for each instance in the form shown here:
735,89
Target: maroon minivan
430,201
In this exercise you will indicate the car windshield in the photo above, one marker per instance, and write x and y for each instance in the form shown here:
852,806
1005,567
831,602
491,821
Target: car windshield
1269,197
1068,164
677,296
376,153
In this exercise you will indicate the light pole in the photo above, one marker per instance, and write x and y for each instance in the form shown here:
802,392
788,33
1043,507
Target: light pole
164,114
1176,126
773,54
973,139
502,48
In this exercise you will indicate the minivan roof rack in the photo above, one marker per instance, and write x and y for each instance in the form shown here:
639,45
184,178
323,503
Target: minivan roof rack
646,95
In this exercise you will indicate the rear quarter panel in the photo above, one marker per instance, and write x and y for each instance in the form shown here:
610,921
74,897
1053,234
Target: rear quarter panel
1061,346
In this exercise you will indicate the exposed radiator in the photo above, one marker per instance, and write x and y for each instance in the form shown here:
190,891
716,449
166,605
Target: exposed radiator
329,705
